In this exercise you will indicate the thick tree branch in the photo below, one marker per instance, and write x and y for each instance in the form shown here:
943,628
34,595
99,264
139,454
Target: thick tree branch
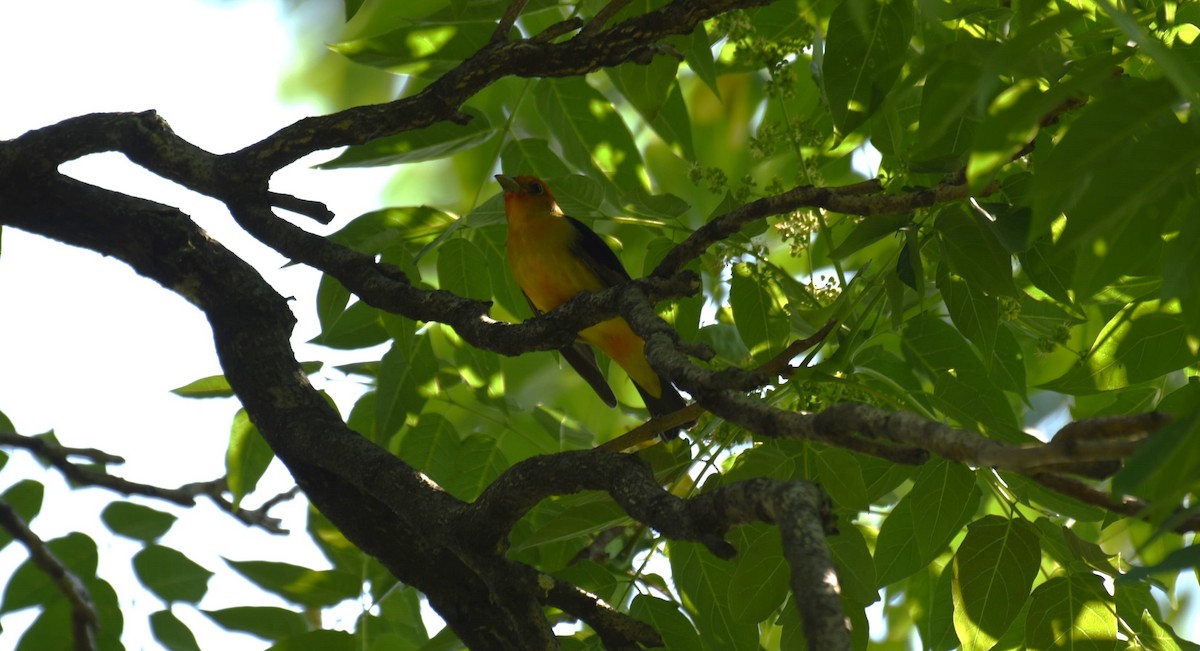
83,613
972,449
801,510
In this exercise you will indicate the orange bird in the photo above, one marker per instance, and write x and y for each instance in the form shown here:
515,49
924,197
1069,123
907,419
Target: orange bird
553,257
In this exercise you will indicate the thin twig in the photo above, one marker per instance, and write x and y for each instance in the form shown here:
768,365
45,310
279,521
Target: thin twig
60,456
83,614
507,21
602,17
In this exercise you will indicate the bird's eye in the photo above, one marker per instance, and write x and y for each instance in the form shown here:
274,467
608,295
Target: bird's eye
535,188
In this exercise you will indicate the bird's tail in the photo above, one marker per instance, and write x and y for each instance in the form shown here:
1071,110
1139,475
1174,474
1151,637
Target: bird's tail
669,402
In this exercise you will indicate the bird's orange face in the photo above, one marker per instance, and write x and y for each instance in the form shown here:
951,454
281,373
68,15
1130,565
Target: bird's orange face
524,195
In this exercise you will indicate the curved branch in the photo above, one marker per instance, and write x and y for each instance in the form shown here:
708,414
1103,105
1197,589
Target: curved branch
584,53
865,198
617,630
801,510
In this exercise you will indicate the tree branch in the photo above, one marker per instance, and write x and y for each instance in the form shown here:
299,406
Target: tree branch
60,457
83,613
802,511
617,630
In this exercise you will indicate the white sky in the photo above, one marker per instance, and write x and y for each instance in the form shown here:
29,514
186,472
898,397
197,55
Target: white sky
90,349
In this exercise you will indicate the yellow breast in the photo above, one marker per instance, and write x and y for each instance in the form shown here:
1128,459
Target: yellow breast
542,263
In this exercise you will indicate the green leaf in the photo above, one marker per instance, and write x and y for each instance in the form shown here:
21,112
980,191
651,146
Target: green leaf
216,386
994,569
1182,73
170,575
1155,634
267,622
246,456
974,313
572,518
25,497
459,271
759,584
974,252
172,633
54,625
676,631
909,267
592,134
300,585
389,232
318,641
1014,118
1161,161
438,140
653,206
655,94
29,585
360,326
579,196
962,387
869,231
758,319
943,498
1049,268
948,119
364,18
399,610
406,368
432,446
1031,492
136,521
51,630
704,581
532,156
932,592
426,49
491,241
478,463
1099,139
699,58
840,474
1074,612
1167,466
1181,268
1143,341
855,568
213,386
864,50
332,299
645,86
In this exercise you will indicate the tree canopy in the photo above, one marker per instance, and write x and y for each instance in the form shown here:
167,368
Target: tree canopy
928,271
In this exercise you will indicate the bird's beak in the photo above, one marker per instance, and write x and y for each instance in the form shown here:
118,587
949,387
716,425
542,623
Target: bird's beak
508,183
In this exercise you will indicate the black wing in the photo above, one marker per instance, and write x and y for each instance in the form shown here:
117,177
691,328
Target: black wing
583,360
590,248
608,268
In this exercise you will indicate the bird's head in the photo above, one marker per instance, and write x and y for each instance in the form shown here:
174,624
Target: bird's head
527,195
